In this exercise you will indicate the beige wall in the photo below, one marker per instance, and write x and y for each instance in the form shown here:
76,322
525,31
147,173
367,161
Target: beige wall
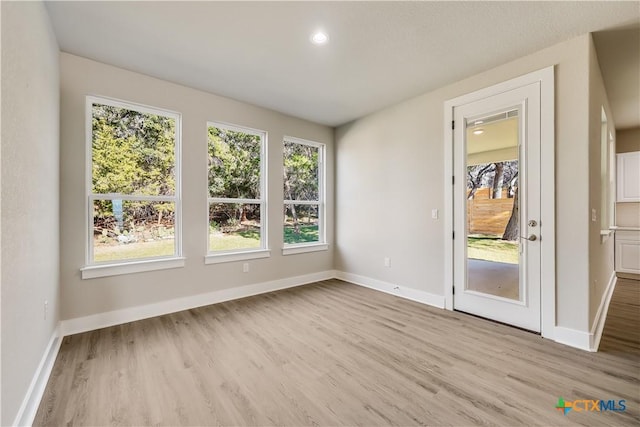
628,140
601,263
628,214
389,166
30,194
81,77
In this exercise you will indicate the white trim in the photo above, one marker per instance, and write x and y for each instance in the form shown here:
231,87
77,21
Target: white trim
303,141
448,205
322,185
302,248
264,196
235,128
131,314
135,266
547,184
218,258
547,203
601,314
624,228
234,201
90,196
572,338
302,202
131,197
29,407
389,288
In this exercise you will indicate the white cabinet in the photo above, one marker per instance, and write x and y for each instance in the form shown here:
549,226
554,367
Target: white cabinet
627,251
628,177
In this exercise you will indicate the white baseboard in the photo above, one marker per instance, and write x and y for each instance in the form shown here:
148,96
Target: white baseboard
573,338
601,314
31,402
389,288
125,315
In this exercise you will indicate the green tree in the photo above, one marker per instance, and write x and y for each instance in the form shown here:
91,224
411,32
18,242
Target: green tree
234,172
300,178
133,153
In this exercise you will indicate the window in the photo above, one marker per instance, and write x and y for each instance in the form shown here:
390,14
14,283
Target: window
134,183
303,196
607,177
237,199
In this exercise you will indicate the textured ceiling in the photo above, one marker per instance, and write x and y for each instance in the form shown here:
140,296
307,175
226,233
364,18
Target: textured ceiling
379,52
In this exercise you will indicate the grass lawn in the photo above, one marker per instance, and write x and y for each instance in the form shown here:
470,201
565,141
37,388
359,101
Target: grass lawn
492,249
308,233
241,239
248,238
156,248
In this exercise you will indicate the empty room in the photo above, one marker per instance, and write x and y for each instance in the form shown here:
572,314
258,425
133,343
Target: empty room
320,213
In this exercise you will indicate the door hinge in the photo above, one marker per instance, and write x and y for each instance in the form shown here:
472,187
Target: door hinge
454,290
453,235
453,124
453,180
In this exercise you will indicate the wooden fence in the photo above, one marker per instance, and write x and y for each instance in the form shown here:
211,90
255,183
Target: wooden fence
488,216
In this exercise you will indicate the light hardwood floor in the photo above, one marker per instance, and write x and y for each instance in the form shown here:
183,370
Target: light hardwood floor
333,353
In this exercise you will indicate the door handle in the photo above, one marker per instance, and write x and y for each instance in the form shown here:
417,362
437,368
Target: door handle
531,238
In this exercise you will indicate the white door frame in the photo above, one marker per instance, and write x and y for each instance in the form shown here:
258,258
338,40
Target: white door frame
547,184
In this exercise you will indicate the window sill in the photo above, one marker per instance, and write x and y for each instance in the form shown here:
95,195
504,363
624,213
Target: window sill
236,256
605,234
105,270
304,248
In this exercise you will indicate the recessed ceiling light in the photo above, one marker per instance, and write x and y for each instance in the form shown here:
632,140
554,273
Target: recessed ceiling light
478,131
319,38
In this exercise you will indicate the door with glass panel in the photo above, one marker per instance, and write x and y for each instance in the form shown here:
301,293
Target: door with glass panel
497,207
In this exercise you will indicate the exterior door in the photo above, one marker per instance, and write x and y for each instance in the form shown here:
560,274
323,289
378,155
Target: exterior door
496,207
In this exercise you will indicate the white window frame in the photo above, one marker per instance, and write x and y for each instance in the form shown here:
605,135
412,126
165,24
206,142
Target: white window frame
110,268
321,244
216,257
607,179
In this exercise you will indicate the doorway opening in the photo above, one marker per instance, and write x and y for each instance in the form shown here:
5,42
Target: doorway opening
499,216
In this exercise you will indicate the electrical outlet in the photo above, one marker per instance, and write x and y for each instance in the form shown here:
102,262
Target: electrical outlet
434,213
387,262
46,309
245,267
594,215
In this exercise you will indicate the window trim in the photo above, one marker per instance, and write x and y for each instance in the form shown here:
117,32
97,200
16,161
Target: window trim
321,244
607,178
93,269
217,257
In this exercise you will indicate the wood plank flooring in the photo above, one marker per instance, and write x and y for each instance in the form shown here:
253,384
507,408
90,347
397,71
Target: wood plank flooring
334,353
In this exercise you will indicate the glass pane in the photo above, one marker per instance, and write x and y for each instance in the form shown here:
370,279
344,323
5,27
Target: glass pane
234,164
132,230
234,226
301,224
132,153
300,171
493,253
